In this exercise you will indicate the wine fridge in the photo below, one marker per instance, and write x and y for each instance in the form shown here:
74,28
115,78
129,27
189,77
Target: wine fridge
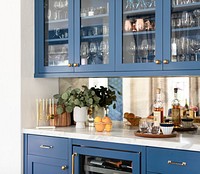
89,160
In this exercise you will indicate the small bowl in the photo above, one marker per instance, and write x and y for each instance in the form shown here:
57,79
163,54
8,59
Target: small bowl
100,126
167,128
187,122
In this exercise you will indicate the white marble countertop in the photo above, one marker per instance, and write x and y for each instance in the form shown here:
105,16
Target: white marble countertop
121,134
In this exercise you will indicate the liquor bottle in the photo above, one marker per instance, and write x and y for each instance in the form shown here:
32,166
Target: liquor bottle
176,109
158,109
186,110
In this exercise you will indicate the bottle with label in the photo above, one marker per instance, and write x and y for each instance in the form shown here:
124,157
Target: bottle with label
158,109
176,109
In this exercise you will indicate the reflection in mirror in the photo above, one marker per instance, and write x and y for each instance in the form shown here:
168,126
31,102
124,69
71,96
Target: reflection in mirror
138,94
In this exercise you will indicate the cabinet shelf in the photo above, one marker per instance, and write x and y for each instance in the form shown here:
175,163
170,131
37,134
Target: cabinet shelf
56,40
95,16
185,29
140,12
94,37
184,7
56,21
138,33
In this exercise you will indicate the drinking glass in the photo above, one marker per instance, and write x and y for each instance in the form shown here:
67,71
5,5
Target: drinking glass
135,4
197,15
92,52
144,49
128,5
56,34
131,49
148,3
49,14
195,46
185,19
58,5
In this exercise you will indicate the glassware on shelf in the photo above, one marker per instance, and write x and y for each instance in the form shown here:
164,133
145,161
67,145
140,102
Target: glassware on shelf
84,53
57,34
197,15
49,14
131,49
58,6
92,53
195,46
148,3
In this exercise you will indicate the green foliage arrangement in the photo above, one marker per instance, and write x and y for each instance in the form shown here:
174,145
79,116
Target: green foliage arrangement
76,97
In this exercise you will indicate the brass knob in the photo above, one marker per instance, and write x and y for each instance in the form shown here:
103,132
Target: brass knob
157,61
64,167
75,64
166,61
69,65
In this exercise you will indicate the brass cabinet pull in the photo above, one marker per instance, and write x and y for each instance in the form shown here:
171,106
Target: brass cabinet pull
75,64
46,147
177,163
64,167
73,156
166,61
69,65
157,61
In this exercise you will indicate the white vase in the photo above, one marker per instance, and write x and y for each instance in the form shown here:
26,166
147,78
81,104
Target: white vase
80,116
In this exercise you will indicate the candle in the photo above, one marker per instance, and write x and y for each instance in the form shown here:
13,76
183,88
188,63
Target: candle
53,106
49,106
43,105
46,107
40,109
37,111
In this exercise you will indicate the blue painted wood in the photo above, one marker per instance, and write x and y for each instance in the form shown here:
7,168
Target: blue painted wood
157,161
55,147
25,154
95,67
129,156
43,165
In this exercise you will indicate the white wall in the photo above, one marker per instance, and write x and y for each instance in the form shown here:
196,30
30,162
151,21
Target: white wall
17,85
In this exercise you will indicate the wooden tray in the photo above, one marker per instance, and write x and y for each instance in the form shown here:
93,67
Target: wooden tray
182,129
149,135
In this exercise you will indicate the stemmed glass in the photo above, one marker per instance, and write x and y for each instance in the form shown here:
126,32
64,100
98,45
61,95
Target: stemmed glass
93,52
144,47
195,46
197,15
148,3
135,4
131,49
84,52
128,5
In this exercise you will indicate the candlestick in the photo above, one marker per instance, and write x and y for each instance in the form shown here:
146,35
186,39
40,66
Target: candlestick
37,111
50,107
53,106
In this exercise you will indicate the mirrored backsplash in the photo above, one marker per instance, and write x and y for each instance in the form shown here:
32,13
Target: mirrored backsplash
138,94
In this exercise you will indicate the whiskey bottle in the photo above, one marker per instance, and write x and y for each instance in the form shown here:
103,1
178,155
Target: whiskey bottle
158,109
176,109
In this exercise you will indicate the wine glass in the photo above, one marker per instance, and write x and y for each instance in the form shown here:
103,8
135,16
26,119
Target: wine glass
58,5
57,33
144,48
197,15
148,3
131,49
128,5
195,46
92,52
135,4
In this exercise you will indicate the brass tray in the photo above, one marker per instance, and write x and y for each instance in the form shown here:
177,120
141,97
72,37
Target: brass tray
149,135
182,129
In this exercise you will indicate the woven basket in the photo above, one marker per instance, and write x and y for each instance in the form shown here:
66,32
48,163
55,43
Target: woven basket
134,121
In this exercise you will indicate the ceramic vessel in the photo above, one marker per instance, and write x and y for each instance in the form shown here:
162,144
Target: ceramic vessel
80,116
167,128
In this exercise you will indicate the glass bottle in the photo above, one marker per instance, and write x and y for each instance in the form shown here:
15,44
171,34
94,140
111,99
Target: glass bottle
176,109
158,109
186,110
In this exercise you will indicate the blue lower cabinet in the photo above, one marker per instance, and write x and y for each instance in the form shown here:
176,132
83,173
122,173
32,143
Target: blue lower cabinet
169,161
43,165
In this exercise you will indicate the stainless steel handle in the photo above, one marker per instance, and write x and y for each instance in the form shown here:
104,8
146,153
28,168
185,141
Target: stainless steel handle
46,147
64,167
73,156
177,163
157,61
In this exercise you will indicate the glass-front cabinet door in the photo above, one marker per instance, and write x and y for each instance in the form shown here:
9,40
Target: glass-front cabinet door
94,38
54,35
139,35
182,34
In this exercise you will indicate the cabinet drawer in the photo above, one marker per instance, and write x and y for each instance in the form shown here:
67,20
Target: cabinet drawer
170,161
48,146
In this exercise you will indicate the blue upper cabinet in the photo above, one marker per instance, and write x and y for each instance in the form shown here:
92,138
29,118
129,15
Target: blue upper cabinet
93,38
74,36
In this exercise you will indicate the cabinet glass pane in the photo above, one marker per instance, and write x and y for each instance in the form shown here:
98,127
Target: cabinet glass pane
138,31
185,37
94,37
97,165
56,32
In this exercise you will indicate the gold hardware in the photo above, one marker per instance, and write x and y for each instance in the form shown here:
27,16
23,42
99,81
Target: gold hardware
69,65
46,147
165,61
157,61
75,64
73,156
64,167
177,163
